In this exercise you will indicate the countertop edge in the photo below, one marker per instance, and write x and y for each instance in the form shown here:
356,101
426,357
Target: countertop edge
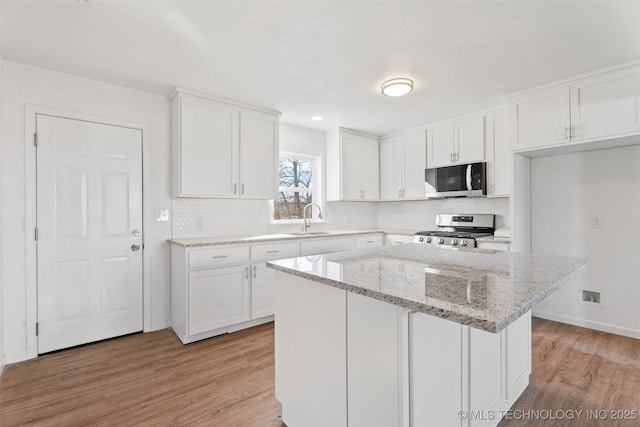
194,242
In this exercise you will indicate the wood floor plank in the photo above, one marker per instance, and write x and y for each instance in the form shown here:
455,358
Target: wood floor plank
152,379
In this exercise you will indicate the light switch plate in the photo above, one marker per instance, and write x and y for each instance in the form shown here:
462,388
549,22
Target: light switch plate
162,215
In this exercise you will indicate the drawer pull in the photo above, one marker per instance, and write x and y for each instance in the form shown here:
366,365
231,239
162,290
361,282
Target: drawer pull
371,241
273,252
219,256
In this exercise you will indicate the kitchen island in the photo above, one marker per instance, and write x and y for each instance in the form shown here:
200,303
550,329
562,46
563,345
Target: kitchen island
407,335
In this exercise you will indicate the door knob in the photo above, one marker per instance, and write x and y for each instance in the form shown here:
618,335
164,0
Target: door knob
135,233
135,248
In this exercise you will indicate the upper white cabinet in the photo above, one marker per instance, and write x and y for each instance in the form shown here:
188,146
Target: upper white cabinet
457,141
223,150
498,154
403,160
353,167
593,108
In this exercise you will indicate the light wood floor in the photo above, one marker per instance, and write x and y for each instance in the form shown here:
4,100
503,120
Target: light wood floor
152,379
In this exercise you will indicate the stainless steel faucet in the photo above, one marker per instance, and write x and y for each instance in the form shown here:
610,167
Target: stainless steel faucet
304,215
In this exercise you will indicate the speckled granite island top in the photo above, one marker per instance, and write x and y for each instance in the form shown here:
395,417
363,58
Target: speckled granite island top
483,289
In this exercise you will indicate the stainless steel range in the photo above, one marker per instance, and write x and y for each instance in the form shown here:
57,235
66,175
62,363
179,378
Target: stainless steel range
458,230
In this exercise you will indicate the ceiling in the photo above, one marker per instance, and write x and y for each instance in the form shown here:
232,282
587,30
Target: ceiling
327,58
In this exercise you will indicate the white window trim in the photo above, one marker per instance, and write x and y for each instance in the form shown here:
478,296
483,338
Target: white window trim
316,188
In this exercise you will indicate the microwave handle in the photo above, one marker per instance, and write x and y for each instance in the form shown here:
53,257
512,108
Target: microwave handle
469,183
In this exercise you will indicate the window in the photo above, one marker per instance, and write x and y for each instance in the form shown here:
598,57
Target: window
298,186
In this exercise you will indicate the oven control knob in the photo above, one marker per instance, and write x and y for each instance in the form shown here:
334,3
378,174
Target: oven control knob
420,239
454,242
428,239
441,240
464,243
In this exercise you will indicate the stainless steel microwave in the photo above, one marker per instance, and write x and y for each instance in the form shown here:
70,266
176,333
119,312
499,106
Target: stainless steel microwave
467,180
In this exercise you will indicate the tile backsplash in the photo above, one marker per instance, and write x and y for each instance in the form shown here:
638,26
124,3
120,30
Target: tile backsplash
226,217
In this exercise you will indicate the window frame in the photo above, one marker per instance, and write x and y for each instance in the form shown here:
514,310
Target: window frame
315,188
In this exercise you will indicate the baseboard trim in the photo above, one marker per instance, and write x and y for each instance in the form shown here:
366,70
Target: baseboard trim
598,326
16,357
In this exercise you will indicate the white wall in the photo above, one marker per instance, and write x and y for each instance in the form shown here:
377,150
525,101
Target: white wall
24,84
567,193
202,217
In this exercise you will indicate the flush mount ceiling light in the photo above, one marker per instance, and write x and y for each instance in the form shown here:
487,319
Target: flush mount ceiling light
316,118
397,87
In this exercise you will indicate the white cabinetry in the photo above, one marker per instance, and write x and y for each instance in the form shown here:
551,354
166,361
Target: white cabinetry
222,150
325,246
495,245
370,241
498,154
218,297
599,107
398,239
403,160
353,167
215,290
374,369
456,141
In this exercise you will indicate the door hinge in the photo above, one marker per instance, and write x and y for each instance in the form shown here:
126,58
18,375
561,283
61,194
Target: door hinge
37,328
35,139
35,234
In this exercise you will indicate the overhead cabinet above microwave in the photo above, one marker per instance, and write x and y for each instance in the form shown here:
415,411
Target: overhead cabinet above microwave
222,149
456,142
597,107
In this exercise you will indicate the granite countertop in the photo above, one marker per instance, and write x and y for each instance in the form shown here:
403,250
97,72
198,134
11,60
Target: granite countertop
193,242
484,289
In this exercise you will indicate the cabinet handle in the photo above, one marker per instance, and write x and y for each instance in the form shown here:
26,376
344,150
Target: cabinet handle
399,193
451,158
242,188
567,133
219,256
574,131
273,252
255,272
235,188
371,241
246,272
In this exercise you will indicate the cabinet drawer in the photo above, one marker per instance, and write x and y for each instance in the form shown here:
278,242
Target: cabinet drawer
313,247
274,251
199,258
369,241
398,239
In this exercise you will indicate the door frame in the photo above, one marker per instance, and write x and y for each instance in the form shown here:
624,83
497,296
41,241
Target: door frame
31,297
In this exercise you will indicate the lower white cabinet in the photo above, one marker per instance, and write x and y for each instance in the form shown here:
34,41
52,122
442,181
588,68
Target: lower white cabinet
397,239
262,291
494,245
370,241
325,246
218,297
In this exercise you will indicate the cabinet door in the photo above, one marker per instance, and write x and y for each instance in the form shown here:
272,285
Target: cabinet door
391,153
325,246
435,371
415,162
469,139
369,169
217,298
258,155
350,166
498,154
541,119
440,144
262,291
373,365
207,151
606,105
486,373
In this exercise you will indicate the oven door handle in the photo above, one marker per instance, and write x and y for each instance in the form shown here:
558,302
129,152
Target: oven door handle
469,186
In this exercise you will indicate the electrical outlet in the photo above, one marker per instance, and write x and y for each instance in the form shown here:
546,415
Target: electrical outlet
162,215
597,221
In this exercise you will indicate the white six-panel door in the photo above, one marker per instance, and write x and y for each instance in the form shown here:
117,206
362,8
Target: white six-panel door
89,219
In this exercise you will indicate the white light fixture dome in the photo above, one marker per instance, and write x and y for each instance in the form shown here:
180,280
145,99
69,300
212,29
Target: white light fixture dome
397,87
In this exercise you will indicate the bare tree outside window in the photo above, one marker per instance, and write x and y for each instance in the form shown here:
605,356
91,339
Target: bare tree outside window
296,188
